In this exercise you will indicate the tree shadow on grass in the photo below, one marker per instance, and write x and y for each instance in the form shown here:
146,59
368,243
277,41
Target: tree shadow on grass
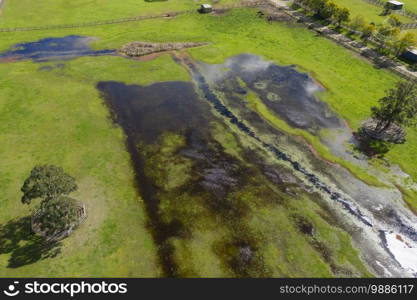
371,147
25,247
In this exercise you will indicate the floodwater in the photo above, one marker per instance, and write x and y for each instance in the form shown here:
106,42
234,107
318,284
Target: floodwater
144,113
284,90
290,94
147,111
147,114
372,215
51,49
381,212
241,124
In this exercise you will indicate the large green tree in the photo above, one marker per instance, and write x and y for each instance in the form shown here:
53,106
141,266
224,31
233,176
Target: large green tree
399,107
385,34
47,182
57,215
368,31
403,42
340,15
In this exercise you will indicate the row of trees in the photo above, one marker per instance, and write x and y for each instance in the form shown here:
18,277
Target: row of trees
386,35
326,10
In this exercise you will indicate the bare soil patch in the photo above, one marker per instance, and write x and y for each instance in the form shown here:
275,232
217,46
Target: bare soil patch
136,49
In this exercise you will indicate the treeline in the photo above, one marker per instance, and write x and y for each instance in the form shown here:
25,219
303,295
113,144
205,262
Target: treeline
387,36
326,10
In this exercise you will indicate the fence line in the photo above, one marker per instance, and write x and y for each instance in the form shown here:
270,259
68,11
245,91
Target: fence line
126,20
408,26
403,11
89,24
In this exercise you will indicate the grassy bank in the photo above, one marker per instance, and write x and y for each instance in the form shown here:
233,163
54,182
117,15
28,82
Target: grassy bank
16,13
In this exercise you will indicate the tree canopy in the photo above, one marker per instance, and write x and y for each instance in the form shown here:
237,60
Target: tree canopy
47,182
57,215
403,42
399,106
340,15
327,10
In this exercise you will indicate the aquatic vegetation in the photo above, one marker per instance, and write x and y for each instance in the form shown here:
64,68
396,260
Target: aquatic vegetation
356,204
195,187
49,49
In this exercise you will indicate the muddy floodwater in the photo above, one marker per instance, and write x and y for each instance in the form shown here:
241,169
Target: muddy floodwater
50,49
288,93
176,104
381,212
219,95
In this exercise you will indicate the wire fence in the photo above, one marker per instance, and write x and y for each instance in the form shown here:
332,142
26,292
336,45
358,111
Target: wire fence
130,19
382,3
89,24
408,26
403,11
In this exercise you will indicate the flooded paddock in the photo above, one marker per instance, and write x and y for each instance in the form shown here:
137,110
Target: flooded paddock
168,127
288,93
51,49
185,175
157,116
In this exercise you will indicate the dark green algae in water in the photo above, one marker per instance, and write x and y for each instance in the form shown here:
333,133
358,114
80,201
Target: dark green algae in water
184,174
285,91
191,184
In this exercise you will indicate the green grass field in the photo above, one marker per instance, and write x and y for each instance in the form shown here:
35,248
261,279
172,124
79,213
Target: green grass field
58,117
370,12
16,13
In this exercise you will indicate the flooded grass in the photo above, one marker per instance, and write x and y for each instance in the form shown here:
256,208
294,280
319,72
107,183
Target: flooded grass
354,204
194,186
50,49
285,91
250,81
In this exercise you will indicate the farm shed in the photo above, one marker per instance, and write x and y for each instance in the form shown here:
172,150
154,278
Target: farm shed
205,8
410,55
395,5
